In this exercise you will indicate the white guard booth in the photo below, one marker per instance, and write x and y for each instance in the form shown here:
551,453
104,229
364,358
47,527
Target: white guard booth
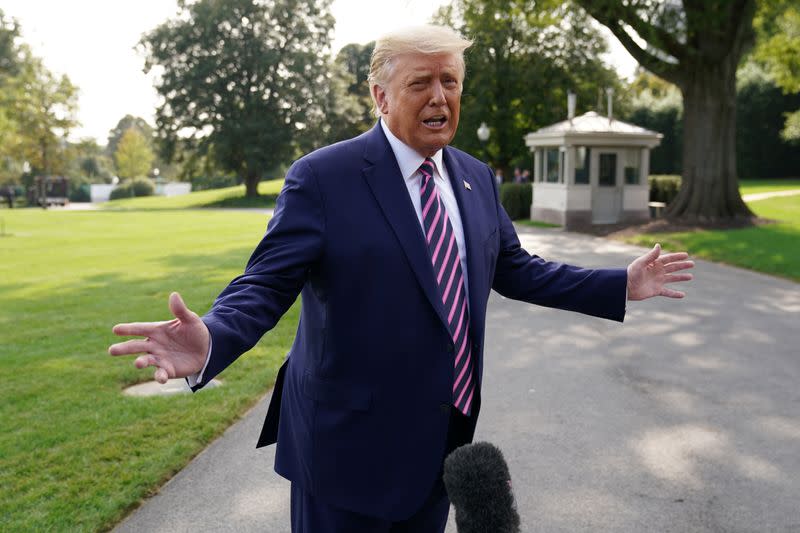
591,169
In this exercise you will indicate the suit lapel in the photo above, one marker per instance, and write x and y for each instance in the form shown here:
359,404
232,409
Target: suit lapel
468,207
384,179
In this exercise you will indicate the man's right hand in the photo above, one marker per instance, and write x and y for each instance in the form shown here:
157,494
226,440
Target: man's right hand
177,348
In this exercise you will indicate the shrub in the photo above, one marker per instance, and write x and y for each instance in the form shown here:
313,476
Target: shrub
516,199
202,183
664,188
81,193
137,187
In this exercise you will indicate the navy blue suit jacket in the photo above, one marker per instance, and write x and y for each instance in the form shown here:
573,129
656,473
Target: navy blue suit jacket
360,411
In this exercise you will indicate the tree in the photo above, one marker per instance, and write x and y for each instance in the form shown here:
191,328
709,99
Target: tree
9,33
88,160
346,103
777,24
125,123
243,76
133,156
37,110
697,45
526,56
350,110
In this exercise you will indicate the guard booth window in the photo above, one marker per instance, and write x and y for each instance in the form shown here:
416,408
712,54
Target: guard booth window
553,171
582,154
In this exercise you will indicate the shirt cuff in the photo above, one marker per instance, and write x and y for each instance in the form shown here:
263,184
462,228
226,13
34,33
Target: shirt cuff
193,379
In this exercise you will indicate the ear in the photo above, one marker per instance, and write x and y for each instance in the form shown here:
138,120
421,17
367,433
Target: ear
381,99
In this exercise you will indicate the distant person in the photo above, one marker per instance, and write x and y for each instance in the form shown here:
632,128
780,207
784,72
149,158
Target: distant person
394,240
526,176
498,176
517,175
10,194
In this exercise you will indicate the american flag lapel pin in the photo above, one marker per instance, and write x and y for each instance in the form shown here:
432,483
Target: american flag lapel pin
467,185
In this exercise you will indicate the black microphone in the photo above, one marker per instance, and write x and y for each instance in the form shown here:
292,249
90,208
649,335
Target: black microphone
479,486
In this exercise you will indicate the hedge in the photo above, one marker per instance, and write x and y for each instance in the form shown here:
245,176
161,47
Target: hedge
516,199
664,188
136,187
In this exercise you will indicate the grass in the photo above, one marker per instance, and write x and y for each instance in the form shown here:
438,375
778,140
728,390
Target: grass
758,186
75,454
771,248
536,223
226,197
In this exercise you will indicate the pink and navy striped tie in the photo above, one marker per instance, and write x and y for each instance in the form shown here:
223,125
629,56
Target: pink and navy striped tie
450,279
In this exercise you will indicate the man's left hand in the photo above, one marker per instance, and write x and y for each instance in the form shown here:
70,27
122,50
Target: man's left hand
649,274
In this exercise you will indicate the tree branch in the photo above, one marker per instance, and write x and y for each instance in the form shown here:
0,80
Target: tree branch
652,63
610,14
654,35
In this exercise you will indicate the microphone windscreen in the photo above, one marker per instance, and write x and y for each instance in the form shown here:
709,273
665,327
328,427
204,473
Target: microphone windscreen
478,484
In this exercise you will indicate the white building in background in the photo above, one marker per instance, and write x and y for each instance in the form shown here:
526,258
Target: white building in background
591,169
102,192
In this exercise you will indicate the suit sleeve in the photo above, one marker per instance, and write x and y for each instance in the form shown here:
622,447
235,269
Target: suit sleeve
253,302
529,278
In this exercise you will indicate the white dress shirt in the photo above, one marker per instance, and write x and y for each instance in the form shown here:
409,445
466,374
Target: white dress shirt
409,162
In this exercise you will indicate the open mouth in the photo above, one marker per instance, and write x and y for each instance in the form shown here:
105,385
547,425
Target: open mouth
435,122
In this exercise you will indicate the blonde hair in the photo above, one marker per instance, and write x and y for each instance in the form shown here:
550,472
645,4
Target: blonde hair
427,39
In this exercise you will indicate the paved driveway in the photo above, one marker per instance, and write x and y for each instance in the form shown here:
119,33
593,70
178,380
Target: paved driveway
685,418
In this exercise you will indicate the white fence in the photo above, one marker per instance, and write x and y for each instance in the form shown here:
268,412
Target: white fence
102,192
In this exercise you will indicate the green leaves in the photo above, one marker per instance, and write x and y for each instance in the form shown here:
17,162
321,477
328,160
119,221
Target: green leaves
37,108
243,76
778,25
525,57
133,155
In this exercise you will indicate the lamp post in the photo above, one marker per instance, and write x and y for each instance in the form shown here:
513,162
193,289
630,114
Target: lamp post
483,137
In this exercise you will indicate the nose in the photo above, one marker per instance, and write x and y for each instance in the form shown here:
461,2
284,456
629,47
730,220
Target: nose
437,94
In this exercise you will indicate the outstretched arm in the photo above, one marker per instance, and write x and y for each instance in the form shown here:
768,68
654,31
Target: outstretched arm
649,274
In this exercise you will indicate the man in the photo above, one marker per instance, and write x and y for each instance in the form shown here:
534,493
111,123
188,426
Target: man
394,240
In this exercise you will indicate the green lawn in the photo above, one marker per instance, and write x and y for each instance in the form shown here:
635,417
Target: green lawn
227,197
535,223
772,249
758,186
75,454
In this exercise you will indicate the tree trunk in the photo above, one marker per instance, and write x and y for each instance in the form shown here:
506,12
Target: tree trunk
710,188
251,185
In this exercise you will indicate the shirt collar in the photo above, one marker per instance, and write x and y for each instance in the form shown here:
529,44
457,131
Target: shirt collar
408,159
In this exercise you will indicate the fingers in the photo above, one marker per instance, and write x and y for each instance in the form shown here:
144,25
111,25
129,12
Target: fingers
179,309
143,361
652,255
674,267
164,369
678,277
130,347
161,375
139,329
675,256
669,293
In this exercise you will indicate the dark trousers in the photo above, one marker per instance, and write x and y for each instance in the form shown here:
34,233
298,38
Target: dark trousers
310,515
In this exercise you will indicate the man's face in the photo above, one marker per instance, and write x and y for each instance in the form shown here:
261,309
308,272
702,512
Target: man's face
421,102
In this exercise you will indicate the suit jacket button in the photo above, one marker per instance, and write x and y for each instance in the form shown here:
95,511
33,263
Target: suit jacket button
445,408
